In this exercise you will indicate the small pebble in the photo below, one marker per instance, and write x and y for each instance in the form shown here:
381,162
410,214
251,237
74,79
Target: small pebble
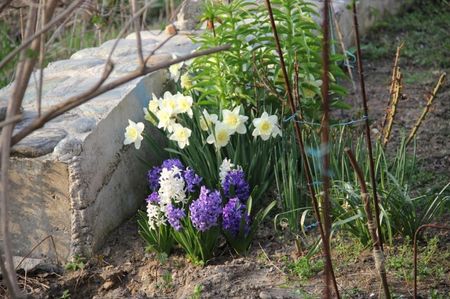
264,295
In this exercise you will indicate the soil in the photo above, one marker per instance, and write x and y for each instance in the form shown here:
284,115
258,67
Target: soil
122,269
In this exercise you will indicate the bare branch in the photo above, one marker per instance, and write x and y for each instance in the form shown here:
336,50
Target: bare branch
30,39
23,72
137,29
98,89
4,5
378,254
13,119
125,28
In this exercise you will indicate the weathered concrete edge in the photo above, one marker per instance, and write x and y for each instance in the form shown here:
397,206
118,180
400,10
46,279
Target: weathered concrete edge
122,176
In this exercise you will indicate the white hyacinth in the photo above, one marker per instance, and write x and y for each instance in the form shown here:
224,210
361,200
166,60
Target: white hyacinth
172,187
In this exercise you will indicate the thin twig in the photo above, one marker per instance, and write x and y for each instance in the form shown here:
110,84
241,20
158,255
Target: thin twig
415,249
15,119
395,69
299,137
125,28
36,246
367,127
31,38
4,5
392,110
137,29
378,254
425,111
23,70
99,88
344,50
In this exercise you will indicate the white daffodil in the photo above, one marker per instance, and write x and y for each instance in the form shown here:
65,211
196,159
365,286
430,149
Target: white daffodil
174,70
181,135
133,133
169,103
221,135
184,104
149,117
185,81
153,104
234,120
207,120
165,120
266,126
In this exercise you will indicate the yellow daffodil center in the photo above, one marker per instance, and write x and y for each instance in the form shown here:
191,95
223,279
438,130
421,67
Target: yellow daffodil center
181,134
231,120
222,136
133,133
265,127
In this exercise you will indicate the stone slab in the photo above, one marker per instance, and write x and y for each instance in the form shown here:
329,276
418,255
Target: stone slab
74,179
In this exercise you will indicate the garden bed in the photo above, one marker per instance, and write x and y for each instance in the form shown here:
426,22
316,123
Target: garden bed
276,266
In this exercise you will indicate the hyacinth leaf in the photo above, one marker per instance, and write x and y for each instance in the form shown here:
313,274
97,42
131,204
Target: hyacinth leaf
199,246
160,240
242,241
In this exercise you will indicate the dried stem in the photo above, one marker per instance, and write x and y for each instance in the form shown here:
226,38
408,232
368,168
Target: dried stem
36,246
299,138
378,254
344,50
395,68
427,108
416,234
392,110
367,127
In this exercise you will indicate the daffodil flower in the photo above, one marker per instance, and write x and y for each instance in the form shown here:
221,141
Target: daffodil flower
165,120
207,120
168,103
153,104
234,120
181,135
133,133
185,81
221,135
266,126
184,104
149,117
174,70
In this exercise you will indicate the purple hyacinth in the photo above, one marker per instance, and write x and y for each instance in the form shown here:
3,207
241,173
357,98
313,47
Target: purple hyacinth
206,210
232,216
170,163
192,179
174,216
153,178
236,178
153,198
